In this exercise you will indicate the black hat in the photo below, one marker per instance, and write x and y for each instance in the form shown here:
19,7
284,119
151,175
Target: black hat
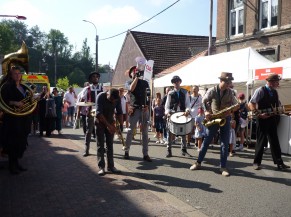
273,77
92,73
226,76
176,78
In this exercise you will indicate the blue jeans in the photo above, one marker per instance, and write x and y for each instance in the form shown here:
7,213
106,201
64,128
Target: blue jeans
224,141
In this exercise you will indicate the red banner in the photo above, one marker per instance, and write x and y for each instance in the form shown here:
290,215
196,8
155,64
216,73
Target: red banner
262,74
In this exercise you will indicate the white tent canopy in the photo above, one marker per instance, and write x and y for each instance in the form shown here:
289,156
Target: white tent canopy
206,70
286,64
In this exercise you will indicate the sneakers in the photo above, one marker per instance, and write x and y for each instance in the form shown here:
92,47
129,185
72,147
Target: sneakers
257,166
161,141
101,172
195,166
147,158
230,154
113,170
282,166
157,142
224,172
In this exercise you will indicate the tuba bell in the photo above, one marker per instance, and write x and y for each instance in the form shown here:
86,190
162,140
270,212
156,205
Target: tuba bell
19,58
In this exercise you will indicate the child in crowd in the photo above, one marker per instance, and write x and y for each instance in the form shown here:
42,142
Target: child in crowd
65,113
232,137
200,129
158,120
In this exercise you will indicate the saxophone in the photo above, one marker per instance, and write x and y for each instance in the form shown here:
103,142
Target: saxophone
219,117
117,124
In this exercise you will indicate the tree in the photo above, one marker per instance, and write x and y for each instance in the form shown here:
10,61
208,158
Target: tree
6,39
77,76
63,83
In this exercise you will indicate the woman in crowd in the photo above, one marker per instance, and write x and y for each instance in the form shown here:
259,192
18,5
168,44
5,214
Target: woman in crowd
59,105
15,129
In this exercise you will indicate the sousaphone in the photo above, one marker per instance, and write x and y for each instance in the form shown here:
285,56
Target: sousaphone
19,58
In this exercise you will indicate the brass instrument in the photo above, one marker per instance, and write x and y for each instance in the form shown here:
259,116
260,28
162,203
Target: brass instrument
17,58
120,134
283,109
219,117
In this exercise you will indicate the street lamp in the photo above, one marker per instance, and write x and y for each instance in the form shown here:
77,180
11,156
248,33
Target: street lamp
16,16
97,39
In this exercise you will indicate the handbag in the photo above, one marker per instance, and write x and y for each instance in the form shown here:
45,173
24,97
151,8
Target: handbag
50,108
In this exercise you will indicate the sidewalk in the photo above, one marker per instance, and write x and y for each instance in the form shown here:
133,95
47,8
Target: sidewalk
61,182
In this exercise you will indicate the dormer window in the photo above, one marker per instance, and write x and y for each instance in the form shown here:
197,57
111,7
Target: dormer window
268,13
236,17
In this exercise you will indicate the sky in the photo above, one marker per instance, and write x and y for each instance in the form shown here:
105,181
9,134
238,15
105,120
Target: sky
111,17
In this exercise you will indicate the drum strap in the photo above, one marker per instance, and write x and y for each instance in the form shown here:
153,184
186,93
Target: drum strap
195,101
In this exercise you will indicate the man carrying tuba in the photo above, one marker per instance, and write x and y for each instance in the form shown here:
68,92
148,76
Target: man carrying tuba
216,99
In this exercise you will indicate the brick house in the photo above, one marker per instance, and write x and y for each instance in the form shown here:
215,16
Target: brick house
262,24
165,49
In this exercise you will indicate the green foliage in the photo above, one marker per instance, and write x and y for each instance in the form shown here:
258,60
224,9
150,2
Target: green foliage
47,50
63,83
77,76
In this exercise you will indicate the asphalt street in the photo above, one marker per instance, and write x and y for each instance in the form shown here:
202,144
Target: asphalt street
247,192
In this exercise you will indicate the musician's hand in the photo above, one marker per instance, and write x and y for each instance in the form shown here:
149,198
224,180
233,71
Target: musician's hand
145,108
187,113
264,115
207,115
18,103
111,129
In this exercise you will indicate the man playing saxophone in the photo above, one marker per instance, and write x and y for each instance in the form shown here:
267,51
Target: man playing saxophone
218,102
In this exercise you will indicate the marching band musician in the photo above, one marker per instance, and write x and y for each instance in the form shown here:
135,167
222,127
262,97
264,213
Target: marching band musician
106,103
15,129
89,94
267,97
216,99
177,100
138,107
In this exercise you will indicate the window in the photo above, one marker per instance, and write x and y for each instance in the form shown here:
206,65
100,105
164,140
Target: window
236,17
268,13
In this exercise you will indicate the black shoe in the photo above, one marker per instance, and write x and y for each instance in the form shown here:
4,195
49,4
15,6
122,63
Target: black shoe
185,153
169,153
147,158
101,172
113,170
13,170
282,166
126,155
21,169
86,154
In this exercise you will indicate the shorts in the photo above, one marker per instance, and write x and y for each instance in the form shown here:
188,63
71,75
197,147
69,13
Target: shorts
71,110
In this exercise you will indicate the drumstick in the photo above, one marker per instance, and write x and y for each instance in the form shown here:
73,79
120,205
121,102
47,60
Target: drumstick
180,115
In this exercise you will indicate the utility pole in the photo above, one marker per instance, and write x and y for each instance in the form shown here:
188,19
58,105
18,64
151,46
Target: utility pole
210,28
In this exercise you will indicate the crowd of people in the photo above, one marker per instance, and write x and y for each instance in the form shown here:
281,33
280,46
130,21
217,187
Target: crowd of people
220,112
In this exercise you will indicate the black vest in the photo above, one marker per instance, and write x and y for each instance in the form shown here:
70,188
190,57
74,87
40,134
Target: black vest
268,101
92,93
178,100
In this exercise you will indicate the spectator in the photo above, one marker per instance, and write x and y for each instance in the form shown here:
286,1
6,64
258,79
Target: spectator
71,97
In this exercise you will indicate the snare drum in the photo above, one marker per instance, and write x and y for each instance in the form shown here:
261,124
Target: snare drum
179,124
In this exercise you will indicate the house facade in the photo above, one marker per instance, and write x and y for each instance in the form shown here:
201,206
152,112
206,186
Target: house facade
262,24
166,50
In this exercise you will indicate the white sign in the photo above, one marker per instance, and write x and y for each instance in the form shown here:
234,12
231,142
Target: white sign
148,71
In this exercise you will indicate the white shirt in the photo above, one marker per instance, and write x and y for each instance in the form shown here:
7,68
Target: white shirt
195,104
70,97
168,102
84,93
123,104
